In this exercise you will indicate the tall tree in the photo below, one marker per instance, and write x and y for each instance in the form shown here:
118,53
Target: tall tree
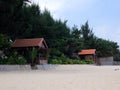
87,35
10,15
75,42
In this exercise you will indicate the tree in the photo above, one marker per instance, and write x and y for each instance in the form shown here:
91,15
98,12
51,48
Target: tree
87,35
18,19
10,14
106,48
4,42
103,47
76,33
74,43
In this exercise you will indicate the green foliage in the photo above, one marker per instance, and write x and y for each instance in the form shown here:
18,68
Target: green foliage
87,35
11,60
103,47
76,61
55,61
21,61
88,61
64,60
17,16
73,46
54,53
10,16
117,57
70,61
33,54
3,60
4,43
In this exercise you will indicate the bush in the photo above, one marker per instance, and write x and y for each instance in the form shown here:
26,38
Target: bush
64,60
76,61
12,57
88,61
10,60
54,53
55,61
117,58
3,60
70,61
4,43
21,61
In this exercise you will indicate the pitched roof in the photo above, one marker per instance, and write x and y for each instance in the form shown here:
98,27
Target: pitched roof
87,52
30,42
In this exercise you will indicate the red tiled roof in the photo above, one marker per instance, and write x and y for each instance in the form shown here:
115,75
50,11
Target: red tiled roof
86,52
29,42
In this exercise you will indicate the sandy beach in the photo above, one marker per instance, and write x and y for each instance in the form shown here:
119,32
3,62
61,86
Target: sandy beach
63,77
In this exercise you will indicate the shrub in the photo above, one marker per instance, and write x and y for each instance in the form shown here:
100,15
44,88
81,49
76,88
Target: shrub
4,43
88,61
21,60
12,57
117,58
3,60
11,60
56,61
64,60
76,61
54,53
82,62
70,61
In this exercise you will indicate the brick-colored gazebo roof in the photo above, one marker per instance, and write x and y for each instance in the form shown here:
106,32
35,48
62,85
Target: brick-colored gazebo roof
87,52
34,42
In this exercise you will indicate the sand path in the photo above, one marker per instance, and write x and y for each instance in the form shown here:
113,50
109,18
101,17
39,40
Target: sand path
64,77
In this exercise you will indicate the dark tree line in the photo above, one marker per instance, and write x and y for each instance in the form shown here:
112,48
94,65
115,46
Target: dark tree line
20,19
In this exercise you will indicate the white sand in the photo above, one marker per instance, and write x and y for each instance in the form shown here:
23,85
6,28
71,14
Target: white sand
63,77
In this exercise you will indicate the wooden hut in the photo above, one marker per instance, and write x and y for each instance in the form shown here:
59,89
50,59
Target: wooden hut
88,54
21,45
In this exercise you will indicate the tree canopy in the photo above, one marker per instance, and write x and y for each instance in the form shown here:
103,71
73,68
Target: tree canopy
19,19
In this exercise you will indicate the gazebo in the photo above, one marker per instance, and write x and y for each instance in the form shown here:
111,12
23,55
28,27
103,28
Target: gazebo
21,45
88,54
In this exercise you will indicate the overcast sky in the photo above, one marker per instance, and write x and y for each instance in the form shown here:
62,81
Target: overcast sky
103,15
